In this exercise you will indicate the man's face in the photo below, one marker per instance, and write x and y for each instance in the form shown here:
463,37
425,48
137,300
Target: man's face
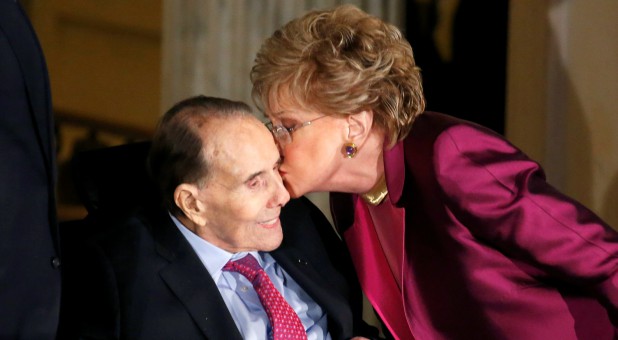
243,194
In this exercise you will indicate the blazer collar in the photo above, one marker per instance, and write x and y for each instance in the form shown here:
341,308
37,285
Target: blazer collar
395,171
191,283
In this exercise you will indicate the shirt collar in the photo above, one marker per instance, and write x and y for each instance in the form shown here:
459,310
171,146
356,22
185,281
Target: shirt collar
213,257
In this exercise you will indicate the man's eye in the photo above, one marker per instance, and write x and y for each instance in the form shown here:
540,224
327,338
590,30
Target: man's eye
254,183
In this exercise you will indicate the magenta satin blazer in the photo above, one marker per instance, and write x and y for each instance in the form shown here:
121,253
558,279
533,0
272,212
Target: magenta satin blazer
491,251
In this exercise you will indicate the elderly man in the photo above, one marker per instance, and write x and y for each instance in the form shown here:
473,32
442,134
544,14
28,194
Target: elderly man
222,259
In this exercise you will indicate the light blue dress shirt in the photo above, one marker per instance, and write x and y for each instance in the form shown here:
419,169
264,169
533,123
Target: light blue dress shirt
242,300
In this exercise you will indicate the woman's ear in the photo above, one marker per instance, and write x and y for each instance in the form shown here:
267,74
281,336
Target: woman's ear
359,125
186,197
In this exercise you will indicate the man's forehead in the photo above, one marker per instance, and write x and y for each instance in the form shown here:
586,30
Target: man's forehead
229,172
238,151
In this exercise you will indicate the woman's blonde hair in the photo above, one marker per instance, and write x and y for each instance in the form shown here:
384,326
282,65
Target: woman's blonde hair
342,61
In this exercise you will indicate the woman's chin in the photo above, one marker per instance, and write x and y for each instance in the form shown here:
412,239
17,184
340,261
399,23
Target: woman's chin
293,190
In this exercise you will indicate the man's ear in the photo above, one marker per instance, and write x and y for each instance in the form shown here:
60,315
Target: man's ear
186,198
359,125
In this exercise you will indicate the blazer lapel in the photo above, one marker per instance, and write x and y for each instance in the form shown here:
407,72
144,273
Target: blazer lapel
192,284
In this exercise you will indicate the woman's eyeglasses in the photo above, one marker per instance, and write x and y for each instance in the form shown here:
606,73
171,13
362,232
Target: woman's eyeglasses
283,135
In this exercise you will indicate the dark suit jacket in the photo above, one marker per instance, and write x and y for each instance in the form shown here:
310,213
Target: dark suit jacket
491,250
145,281
30,280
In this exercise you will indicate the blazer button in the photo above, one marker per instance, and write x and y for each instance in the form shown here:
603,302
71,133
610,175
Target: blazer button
302,261
55,262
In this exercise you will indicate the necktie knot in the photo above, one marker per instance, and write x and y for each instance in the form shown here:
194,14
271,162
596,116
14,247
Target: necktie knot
248,266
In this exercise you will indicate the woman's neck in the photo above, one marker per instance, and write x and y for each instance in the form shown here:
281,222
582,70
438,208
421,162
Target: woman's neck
360,174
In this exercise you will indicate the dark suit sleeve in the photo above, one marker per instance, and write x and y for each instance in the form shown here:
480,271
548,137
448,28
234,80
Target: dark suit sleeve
502,197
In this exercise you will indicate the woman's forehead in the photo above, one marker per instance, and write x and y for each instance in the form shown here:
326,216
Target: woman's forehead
283,98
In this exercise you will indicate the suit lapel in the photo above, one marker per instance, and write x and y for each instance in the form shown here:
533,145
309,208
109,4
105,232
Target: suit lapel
192,284
311,280
374,273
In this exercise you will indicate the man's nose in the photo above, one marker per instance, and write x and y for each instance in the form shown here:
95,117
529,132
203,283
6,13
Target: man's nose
281,196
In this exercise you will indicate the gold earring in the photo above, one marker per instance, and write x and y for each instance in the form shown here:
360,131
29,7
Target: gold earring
349,150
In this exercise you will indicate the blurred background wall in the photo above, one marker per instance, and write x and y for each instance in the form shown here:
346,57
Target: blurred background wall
544,73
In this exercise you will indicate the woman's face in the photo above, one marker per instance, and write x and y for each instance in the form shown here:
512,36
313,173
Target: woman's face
312,156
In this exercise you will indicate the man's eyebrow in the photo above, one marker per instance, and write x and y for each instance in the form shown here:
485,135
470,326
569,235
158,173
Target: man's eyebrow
259,173
253,176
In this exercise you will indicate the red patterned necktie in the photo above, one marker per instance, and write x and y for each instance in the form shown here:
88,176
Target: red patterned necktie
284,321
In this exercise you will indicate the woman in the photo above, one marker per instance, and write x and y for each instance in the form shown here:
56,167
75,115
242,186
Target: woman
454,232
